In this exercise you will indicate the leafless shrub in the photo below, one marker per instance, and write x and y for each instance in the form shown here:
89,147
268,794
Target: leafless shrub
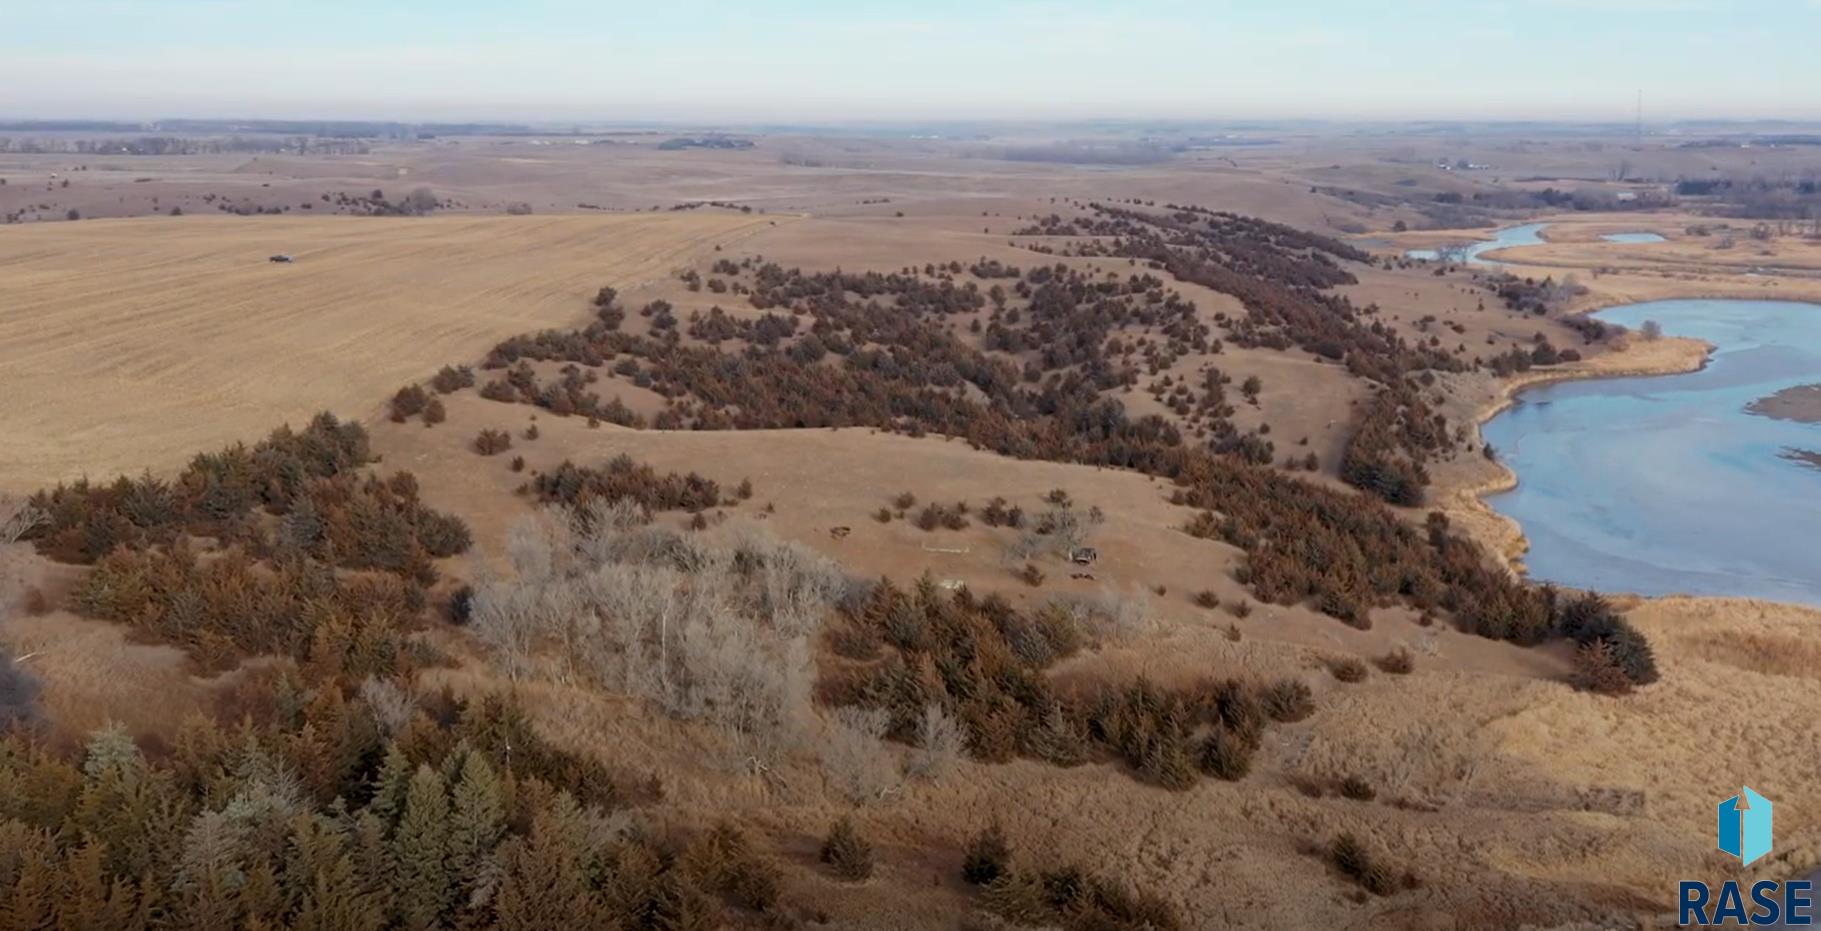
392,706
1366,864
1348,669
854,755
1059,529
18,518
421,201
1398,662
1110,615
940,742
704,628
1288,700
1031,575
1357,789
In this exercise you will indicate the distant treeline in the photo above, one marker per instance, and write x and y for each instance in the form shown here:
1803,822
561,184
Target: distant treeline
704,142
1757,197
1092,153
176,145
1794,139
356,129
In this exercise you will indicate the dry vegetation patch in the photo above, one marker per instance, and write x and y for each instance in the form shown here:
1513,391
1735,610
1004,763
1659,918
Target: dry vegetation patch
130,344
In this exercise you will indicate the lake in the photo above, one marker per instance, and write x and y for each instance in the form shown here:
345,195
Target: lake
1666,484
1526,235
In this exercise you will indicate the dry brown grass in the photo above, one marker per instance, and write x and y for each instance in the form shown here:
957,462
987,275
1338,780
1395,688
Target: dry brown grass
821,479
1515,799
131,344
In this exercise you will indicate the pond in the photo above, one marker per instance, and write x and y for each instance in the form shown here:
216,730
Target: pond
1668,484
1526,235
1633,237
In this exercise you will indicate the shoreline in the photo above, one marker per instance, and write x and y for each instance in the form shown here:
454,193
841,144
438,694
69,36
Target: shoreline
1502,535
1465,504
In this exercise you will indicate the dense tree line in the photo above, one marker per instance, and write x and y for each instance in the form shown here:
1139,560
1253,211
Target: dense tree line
313,559
1378,458
217,490
334,807
983,662
620,478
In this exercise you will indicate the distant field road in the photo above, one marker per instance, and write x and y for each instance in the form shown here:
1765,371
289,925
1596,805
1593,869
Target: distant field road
128,344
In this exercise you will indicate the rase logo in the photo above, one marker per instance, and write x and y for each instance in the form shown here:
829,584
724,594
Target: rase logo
1745,821
1744,829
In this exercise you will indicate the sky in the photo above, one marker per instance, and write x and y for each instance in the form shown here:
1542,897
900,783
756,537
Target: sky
860,60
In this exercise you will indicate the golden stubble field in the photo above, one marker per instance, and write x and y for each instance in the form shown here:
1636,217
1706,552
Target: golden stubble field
133,344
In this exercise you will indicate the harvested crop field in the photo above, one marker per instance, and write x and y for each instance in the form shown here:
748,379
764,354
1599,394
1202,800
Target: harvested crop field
131,344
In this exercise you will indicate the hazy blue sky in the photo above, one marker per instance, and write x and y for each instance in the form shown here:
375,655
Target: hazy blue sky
828,59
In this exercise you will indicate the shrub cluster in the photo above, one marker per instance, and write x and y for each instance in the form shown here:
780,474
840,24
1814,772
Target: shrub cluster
452,378
1066,897
490,442
984,662
273,588
1282,276
620,478
218,490
1359,862
223,609
943,516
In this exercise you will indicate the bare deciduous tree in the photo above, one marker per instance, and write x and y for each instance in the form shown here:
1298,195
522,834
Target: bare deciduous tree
421,201
940,742
854,755
1060,528
709,630
392,706
17,518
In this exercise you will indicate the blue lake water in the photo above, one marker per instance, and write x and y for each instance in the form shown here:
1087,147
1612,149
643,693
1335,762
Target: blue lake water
1665,484
1633,237
1526,235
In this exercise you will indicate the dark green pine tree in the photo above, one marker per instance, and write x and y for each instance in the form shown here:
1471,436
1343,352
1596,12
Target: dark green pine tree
476,826
390,786
324,884
544,883
421,887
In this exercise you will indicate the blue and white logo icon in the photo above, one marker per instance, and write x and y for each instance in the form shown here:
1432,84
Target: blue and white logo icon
1745,825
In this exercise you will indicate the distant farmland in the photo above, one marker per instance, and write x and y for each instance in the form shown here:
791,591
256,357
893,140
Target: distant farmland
133,343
